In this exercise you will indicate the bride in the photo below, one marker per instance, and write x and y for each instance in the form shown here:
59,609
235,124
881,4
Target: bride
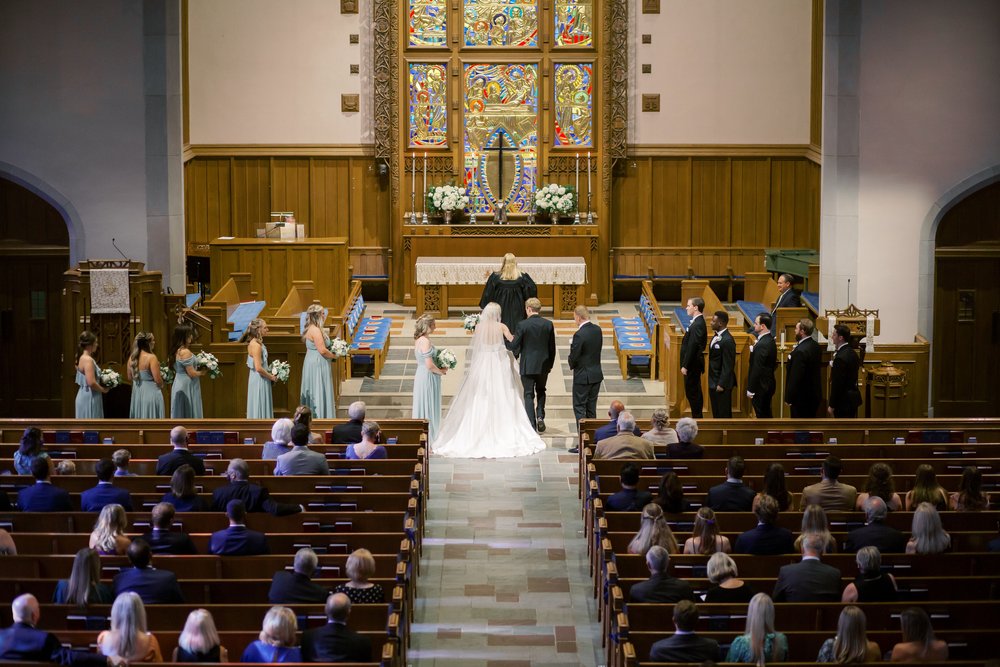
487,418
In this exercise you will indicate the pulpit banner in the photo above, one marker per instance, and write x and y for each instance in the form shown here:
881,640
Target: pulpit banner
109,291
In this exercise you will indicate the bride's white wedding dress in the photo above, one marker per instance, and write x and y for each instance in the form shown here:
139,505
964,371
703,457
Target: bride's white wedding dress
487,418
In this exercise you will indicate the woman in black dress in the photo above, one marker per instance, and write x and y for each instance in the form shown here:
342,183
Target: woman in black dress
510,288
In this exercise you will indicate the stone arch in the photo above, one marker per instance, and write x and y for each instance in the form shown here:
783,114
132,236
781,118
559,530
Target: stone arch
74,225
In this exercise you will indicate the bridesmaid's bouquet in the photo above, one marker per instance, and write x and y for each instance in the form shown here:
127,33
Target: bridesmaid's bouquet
207,361
109,378
167,373
281,369
445,358
471,321
339,347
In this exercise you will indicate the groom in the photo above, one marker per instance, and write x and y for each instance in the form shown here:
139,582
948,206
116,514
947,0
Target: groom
535,345
585,362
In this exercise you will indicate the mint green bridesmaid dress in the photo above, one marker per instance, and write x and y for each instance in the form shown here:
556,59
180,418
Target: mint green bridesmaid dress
317,382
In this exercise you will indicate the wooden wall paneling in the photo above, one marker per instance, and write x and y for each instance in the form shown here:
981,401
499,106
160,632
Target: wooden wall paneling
29,218
751,201
328,197
625,204
251,195
670,195
208,199
364,220
290,188
794,204
711,201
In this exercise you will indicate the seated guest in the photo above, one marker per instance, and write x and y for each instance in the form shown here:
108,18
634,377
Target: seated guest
926,490
919,644
629,499
871,585
368,448
774,486
199,641
611,428
335,642
760,644
121,459
970,496
814,521
255,497
875,533
831,495
174,459
653,530
304,415
851,644
84,585
881,485
152,585
728,586
301,460
768,538
731,495
625,445
660,587
105,493
64,468
128,640
281,439
108,536
7,546
24,642
162,539
237,539
685,447
350,433
297,586
277,639
670,497
183,493
927,535
5,505
360,568
660,434
809,580
706,537
43,496
685,645
29,450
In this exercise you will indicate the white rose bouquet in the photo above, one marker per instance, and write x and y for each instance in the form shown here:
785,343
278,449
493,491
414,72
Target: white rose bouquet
167,373
556,198
207,361
471,321
109,378
339,347
281,369
446,198
445,358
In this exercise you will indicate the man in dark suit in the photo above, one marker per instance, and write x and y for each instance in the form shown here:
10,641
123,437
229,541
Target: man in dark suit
629,499
585,361
534,345
171,461
721,366
809,580
23,642
802,377
845,397
768,538
237,539
255,497
163,540
610,429
693,355
335,642
731,495
875,533
660,587
43,495
105,493
763,362
788,297
685,645
297,586
350,433
152,585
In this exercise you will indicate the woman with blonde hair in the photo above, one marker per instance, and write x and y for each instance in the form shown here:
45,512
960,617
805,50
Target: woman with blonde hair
851,644
728,587
927,535
926,490
427,381
705,537
260,403
360,568
814,521
84,585
660,433
199,641
185,394
653,529
881,484
276,642
317,376
970,496
761,644
90,395
144,372
128,640
108,536
510,288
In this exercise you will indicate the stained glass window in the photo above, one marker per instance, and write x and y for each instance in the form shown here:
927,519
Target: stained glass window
574,96
501,135
574,21
501,23
427,22
428,105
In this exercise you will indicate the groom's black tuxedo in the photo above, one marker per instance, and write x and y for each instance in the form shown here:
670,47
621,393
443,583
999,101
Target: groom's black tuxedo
585,360
534,345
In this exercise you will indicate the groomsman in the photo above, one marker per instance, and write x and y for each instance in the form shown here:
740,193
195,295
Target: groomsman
721,366
534,345
763,362
803,386
845,397
692,355
585,362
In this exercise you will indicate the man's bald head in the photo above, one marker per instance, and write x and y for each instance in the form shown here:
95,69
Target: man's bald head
617,407
179,437
338,607
25,609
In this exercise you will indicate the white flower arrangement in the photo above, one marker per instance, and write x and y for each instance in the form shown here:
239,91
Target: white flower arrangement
445,358
281,369
555,198
339,347
471,321
109,379
447,198
167,373
207,361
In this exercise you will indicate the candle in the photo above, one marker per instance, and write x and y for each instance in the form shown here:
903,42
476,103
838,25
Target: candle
413,180
578,174
782,339
425,174
588,173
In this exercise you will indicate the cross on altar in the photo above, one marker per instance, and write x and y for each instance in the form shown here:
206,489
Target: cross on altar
500,216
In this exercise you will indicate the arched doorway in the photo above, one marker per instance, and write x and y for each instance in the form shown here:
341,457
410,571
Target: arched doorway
34,253
967,307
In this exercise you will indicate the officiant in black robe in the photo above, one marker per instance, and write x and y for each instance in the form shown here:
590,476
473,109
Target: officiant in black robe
509,288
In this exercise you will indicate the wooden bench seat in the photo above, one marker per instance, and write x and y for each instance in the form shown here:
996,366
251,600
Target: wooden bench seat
263,467
76,484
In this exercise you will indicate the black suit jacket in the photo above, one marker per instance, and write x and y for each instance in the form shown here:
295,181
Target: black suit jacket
292,587
24,643
802,383
693,346
808,581
661,588
238,541
844,393
255,497
152,585
877,534
763,362
335,642
44,497
730,497
94,500
722,362
170,542
684,648
766,540
174,459
347,434
534,345
628,500
585,354
789,299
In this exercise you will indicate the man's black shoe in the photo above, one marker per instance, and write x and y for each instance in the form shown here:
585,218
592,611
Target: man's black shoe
575,450
541,426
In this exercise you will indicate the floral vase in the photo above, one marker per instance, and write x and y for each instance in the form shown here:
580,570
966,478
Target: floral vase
555,217
447,217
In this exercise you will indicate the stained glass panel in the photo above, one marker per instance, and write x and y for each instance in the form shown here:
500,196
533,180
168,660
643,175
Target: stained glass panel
501,135
574,21
427,23
428,105
574,95
501,23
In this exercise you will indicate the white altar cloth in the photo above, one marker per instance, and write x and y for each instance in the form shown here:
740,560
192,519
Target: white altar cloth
476,270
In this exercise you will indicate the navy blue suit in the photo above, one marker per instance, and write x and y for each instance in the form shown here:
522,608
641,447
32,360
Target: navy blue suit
291,587
170,542
766,540
25,643
152,585
238,541
44,497
172,460
255,497
105,493
611,429
335,642
730,497
629,500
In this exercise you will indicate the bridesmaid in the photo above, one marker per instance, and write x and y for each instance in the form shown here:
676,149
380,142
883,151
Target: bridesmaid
144,372
427,381
260,404
185,397
317,380
90,395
